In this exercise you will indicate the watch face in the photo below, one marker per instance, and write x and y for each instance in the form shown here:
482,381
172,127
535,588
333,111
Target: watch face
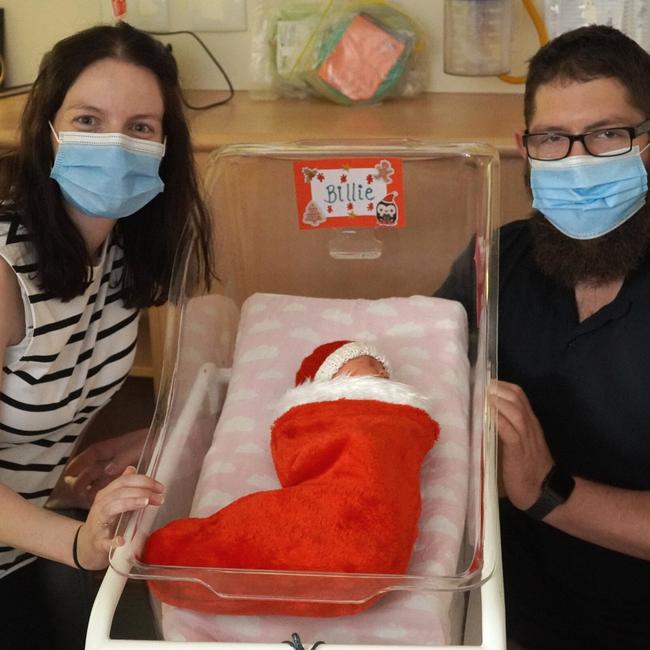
559,483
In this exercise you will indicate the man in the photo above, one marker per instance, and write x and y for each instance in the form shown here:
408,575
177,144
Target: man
574,352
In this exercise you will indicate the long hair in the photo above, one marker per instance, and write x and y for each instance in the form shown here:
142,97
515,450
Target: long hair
588,53
151,236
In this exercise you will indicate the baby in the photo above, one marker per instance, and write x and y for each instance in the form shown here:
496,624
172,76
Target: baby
347,446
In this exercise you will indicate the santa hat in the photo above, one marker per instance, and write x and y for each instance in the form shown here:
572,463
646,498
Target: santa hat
326,360
390,197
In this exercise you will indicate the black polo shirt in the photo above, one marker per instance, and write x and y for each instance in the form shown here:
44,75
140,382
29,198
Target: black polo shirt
589,385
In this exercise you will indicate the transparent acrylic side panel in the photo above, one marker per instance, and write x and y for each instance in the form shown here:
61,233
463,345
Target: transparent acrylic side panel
446,192
450,197
193,387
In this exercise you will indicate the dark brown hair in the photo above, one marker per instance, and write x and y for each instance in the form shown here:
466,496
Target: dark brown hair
588,53
151,236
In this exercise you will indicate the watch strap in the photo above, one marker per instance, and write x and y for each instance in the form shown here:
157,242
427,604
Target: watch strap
557,486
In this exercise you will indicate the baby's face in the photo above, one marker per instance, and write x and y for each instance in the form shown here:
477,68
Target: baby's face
363,366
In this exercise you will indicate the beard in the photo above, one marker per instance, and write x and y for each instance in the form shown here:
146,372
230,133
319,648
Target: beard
591,261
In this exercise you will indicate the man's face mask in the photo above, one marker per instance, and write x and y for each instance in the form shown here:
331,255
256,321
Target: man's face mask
586,197
107,175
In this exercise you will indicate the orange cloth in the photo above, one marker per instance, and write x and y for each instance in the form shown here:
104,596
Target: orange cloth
360,62
349,502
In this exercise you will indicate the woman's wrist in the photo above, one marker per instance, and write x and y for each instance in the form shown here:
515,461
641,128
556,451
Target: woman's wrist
84,555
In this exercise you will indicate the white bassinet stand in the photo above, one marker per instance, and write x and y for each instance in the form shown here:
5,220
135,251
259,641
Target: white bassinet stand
283,288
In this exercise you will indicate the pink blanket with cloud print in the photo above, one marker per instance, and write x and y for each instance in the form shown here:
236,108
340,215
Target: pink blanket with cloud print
426,342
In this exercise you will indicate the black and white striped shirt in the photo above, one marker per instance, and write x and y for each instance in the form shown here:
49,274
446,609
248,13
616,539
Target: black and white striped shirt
74,357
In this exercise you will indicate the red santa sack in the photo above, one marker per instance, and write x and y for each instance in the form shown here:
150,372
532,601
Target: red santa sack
349,502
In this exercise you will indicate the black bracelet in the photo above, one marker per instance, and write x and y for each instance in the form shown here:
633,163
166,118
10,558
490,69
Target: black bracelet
75,557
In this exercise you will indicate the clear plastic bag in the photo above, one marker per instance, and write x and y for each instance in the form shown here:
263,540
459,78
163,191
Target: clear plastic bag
348,51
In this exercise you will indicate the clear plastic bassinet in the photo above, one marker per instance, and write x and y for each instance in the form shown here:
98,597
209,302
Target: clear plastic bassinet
276,251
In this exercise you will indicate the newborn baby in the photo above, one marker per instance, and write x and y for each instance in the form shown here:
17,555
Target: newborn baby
347,446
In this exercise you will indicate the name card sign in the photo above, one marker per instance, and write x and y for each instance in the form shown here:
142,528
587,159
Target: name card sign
350,193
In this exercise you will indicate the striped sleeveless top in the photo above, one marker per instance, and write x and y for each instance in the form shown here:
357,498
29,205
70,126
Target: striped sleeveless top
74,357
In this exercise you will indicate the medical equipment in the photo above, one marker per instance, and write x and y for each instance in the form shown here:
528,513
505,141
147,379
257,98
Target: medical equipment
478,37
345,51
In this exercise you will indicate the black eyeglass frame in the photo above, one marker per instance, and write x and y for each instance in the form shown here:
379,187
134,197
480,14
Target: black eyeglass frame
632,131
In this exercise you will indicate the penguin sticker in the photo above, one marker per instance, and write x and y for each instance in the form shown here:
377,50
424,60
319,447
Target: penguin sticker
386,212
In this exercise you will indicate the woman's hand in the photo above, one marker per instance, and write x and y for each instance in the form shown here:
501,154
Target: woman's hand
525,456
97,465
129,492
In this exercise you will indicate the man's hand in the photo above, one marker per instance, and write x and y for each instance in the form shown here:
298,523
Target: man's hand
609,516
525,456
97,465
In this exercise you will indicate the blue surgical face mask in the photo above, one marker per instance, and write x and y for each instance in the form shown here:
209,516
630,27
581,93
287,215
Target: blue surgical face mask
107,174
586,197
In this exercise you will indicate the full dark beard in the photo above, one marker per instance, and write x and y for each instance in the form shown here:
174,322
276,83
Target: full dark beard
593,261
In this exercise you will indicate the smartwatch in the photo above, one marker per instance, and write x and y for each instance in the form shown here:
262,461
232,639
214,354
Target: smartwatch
556,489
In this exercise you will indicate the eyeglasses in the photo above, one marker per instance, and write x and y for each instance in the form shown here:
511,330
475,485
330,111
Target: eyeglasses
601,142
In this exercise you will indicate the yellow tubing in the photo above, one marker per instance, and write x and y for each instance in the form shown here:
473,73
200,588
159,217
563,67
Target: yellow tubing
541,33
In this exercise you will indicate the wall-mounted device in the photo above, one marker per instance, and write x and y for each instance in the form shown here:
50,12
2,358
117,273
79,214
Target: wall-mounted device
168,15
218,15
478,37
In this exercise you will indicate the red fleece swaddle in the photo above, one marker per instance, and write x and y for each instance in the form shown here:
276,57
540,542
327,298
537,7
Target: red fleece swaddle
349,468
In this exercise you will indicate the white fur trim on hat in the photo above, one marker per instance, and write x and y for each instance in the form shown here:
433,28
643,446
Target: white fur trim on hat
342,355
355,388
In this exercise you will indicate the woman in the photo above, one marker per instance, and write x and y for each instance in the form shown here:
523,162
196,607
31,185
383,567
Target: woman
93,206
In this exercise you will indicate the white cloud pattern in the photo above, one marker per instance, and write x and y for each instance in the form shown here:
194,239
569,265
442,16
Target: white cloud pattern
265,325
259,353
337,316
409,329
305,334
238,424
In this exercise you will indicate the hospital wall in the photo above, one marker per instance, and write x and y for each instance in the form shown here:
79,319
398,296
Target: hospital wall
447,113
33,26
